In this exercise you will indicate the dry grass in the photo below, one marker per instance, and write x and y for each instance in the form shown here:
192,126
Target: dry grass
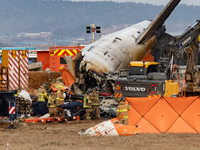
63,136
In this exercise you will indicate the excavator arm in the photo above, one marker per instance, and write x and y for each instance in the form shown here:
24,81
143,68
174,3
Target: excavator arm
184,50
177,48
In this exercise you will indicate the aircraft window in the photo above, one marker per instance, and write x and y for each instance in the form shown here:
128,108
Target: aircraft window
138,32
106,53
90,48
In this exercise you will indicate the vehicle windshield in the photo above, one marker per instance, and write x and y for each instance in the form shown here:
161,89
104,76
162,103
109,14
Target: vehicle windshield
136,70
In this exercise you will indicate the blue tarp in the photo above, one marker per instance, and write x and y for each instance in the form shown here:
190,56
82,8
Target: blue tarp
40,108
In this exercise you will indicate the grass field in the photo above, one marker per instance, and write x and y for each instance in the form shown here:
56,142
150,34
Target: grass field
64,136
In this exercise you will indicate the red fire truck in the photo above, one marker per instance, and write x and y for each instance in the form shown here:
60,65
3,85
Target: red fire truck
53,58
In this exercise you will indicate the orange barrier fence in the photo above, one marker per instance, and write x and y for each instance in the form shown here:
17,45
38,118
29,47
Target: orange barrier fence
165,114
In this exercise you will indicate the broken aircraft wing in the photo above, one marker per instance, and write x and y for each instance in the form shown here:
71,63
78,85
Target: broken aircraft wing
157,22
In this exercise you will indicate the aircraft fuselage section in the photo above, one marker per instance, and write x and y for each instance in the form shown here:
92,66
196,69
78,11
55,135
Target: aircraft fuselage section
114,51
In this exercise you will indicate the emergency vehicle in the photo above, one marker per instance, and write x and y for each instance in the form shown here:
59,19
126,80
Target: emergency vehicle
54,57
144,80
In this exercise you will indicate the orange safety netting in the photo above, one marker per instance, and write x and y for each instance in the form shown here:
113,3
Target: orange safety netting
165,114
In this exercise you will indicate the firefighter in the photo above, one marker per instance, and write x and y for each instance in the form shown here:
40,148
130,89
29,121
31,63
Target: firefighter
123,109
60,102
87,104
95,102
17,93
51,103
42,93
66,95
59,84
66,101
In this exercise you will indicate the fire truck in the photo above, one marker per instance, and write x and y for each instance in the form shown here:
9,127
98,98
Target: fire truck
53,58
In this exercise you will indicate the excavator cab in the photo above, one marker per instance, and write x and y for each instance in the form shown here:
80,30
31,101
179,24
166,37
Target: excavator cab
142,67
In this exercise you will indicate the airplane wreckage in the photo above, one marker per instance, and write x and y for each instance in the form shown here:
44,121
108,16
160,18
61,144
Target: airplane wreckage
111,128
104,60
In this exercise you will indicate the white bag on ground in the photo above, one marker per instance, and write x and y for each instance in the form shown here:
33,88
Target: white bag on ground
25,95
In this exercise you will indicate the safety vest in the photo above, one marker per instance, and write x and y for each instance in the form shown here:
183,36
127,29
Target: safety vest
87,104
123,108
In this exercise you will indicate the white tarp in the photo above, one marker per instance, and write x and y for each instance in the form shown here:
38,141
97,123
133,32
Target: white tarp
105,128
25,95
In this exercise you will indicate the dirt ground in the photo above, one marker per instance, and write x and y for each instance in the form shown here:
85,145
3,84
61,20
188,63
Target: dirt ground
64,136
37,78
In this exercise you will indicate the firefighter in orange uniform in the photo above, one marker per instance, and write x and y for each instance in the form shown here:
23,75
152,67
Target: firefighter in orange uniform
95,102
60,102
42,93
87,104
51,103
123,109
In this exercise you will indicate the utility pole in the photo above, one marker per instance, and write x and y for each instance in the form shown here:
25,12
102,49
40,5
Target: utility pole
93,28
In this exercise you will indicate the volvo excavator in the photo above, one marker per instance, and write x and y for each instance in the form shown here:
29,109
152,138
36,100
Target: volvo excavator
165,79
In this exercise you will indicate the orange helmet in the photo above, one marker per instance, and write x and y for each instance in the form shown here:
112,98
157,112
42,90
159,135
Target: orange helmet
63,89
54,90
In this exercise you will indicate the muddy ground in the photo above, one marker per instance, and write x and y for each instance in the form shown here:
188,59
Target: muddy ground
64,136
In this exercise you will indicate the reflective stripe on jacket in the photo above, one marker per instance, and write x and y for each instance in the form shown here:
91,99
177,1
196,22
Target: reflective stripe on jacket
51,100
95,99
87,104
41,99
42,94
123,109
59,98
58,85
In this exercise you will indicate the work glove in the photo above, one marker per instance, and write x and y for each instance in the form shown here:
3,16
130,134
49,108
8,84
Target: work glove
48,104
54,101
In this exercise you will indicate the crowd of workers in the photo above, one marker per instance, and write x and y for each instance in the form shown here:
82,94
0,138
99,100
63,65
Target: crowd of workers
60,96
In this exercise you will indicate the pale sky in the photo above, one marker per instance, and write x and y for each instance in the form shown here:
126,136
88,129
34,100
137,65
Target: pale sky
154,2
